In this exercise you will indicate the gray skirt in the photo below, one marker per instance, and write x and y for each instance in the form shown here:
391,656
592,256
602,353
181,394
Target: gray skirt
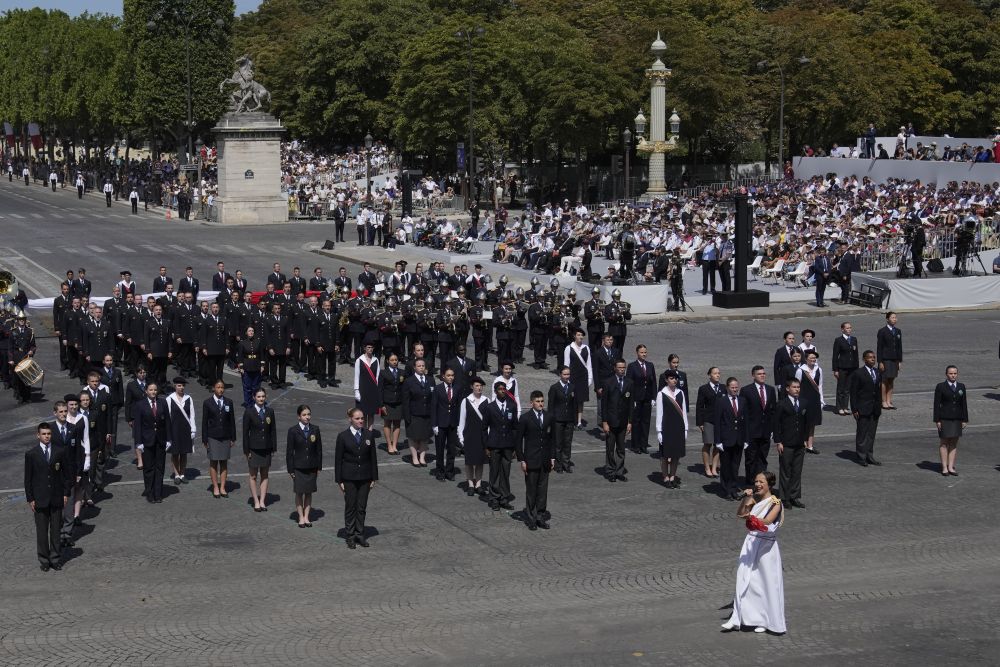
393,412
259,458
218,450
419,428
708,435
950,428
305,481
891,368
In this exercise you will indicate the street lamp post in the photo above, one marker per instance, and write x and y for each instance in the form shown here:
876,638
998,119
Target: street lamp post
627,140
185,15
470,152
763,65
658,144
368,165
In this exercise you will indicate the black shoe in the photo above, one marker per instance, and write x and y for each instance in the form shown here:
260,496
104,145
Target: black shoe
323,384
362,542
450,477
873,461
863,463
797,503
532,526
612,479
812,450
470,491
543,525
44,567
786,505
506,506
56,566
622,478
568,469
350,542
495,506
77,521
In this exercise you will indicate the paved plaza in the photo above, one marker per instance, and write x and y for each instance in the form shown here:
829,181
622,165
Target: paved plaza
886,566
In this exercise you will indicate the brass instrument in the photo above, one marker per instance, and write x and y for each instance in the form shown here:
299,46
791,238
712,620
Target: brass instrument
8,283
506,317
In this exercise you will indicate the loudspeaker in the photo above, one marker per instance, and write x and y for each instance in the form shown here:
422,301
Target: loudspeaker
935,265
328,245
409,179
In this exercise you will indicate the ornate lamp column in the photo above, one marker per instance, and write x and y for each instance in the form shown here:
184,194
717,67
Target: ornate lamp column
658,145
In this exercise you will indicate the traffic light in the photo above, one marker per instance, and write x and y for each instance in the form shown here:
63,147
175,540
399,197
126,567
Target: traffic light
616,164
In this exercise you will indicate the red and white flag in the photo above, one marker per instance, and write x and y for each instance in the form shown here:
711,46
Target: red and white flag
36,135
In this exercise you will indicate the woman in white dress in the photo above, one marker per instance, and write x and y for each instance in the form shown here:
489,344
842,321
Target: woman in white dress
760,590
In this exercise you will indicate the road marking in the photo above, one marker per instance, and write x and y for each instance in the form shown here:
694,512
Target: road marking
179,248
37,215
231,249
286,250
151,248
15,215
124,248
96,248
72,251
42,251
207,247
260,249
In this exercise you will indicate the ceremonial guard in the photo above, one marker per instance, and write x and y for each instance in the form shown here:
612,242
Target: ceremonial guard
60,305
479,318
503,321
22,345
617,314
250,362
98,340
538,319
593,312
355,328
427,325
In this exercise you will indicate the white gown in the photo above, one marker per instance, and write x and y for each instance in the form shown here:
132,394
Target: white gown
760,588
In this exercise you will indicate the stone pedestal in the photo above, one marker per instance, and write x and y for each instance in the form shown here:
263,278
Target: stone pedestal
249,146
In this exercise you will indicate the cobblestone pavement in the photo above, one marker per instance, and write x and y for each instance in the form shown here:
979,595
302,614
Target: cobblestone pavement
891,565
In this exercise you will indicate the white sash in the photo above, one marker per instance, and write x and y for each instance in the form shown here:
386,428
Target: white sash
183,409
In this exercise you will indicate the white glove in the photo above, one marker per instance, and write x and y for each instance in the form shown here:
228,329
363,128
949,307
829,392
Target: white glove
435,430
193,434
168,446
357,395
86,468
139,448
659,438
719,447
746,445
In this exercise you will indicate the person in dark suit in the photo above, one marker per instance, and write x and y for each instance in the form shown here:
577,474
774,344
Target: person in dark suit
562,411
260,442
783,355
821,271
304,460
761,400
865,389
161,281
790,440
704,419
135,391
951,414
156,345
220,277
48,481
500,419
673,364
844,362
276,277
218,435
297,282
356,470
445,404
465,371
278,346
889,352
730,436
112,378
848,263
213,341
416,395
643,376
617,408
189,284
151,426
534,450
95,402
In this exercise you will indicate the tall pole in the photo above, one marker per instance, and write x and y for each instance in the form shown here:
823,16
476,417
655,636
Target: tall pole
472,147
628,149
781,122
187,57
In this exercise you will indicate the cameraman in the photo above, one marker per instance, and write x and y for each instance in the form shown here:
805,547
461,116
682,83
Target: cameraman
675,273
917,242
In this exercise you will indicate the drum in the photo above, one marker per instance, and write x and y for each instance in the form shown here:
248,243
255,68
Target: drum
29,372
